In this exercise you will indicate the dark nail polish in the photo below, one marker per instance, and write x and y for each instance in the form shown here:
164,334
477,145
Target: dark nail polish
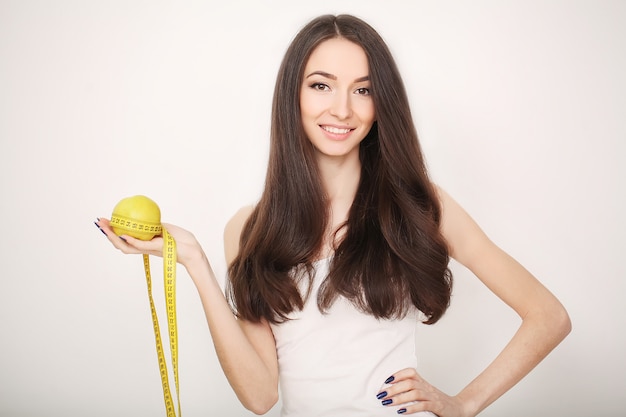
387,401
99,228
381,395
389,380
402,411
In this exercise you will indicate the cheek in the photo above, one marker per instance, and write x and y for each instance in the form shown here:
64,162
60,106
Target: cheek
309,104
372,114
367,112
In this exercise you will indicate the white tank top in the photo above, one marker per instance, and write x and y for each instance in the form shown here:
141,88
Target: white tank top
334,364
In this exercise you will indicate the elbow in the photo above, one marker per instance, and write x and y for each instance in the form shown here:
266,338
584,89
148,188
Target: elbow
557,322
261,403
552,322
563,323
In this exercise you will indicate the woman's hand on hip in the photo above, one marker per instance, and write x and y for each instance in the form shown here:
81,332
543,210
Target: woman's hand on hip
409,391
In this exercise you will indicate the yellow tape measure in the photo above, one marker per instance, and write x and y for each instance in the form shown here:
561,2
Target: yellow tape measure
139,217
169,278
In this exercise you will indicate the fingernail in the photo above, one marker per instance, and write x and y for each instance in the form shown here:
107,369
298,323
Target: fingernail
402,411
381,395
387,401
389,380
99,228
123,239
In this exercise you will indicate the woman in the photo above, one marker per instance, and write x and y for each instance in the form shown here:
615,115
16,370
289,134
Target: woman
348,248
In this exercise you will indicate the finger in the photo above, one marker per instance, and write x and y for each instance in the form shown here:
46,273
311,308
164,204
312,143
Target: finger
406,397
404,374
423,408
406,386
102,221
424,399
105,227
99,228
403,392
154,246
128,244
407,373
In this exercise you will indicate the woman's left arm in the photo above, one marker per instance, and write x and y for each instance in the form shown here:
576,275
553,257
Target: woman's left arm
545,322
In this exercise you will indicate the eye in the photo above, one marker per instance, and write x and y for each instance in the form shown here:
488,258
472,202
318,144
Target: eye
363,91
320,87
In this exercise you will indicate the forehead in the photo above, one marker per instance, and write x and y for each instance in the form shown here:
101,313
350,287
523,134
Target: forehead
339,57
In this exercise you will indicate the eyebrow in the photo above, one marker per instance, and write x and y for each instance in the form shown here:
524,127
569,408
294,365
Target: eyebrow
334,77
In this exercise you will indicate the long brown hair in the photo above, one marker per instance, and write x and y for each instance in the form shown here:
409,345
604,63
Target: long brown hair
392,254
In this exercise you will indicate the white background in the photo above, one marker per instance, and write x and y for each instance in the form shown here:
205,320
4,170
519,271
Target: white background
520,106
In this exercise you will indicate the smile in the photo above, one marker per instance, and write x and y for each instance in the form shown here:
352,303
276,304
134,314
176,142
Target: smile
336,130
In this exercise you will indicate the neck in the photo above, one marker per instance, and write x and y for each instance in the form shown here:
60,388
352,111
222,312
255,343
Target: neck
340,178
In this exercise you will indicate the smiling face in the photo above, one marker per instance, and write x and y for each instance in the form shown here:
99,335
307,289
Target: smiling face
337,109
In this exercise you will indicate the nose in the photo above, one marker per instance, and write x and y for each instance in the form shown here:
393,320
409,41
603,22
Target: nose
341,106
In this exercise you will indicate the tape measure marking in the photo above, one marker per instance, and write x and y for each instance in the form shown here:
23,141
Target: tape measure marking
169,279
130,225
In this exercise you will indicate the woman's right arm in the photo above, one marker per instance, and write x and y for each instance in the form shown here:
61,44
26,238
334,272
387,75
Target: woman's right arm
246,351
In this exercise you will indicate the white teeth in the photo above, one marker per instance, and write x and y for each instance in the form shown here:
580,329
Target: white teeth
335,130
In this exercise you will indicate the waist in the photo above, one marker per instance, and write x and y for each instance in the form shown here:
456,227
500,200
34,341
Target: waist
334,364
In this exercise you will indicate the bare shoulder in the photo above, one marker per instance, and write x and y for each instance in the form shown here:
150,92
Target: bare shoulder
232,232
